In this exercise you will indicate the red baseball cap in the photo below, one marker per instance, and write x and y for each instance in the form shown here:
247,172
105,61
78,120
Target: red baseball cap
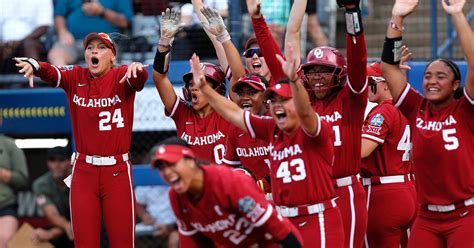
374,71
252,80
103,37
171,154
283,90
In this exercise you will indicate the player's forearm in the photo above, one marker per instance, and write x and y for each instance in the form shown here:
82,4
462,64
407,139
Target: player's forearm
303,107
48,73
294,26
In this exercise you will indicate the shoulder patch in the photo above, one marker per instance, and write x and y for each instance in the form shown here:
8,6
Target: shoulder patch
246,204
66,67
377,120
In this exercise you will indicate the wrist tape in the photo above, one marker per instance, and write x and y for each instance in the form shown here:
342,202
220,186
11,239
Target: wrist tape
162,60
354,22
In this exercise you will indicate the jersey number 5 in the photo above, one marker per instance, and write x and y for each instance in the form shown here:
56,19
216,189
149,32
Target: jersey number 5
452,142
104,122
285,173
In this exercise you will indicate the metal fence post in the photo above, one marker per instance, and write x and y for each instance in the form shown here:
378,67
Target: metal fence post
434,29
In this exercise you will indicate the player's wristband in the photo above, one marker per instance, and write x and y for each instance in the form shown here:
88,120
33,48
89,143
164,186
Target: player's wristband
33,62
223,37
290,241
392,49
162,60
354,25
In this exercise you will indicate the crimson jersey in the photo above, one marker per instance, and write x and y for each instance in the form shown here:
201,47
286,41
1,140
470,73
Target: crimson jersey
101,109
241,149
226,214
205,135
300,164
387,126
443,145
344,111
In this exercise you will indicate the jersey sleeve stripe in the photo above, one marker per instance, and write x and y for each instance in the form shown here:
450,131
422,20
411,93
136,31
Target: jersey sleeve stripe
265,217
248,125
317,130
187,233
403,96
176,103
230,162
358,92
468,97
373,138
59,76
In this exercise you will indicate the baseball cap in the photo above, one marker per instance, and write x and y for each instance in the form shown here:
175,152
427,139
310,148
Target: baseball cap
59,153
374,71
251,80
250,41
171,153
281,89
103,37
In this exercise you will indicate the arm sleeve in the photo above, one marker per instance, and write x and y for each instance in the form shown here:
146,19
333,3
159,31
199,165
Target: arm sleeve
178,112
409,103
251,203
376,125
19,170
261,127
356,63
231,158
269,47
57,76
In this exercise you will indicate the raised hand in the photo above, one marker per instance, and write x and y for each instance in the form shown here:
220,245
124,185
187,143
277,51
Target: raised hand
198,76
453,6
253,7
26,68
132,71
403,8
170,24
405,57
215,24
289,66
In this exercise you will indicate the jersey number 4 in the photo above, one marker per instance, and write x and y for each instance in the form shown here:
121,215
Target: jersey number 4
285,173
105,116
405,144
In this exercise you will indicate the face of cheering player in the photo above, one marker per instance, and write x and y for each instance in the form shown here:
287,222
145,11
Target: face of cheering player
439,83
320,80
250,99
59,168
183,176
377,90
99,57
199,103
256,62
284,113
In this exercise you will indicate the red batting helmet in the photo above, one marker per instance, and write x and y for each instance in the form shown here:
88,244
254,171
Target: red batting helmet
213,74
327,56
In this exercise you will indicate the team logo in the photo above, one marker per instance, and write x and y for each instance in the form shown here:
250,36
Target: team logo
247,204
377,120
66,67
318,53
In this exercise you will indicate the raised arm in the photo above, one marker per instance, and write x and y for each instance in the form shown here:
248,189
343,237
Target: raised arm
466,39
309,119
215,24
293,27
225,108
355,43
265,40
394,77
170,25
218,47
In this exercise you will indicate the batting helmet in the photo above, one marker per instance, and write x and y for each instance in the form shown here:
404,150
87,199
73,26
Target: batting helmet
327,56
213,74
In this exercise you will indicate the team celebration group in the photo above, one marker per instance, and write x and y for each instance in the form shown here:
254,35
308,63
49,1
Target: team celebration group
283,157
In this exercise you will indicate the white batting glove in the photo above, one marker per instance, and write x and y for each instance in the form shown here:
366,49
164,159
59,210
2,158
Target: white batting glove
170,25
215,24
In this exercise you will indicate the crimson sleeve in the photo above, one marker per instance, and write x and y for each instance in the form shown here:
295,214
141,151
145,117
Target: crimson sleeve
377,124
251,203
356,63
269,47
261,127
137,83
409,103
231,158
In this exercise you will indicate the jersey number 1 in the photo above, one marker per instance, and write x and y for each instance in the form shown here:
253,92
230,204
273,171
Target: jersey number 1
104,122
